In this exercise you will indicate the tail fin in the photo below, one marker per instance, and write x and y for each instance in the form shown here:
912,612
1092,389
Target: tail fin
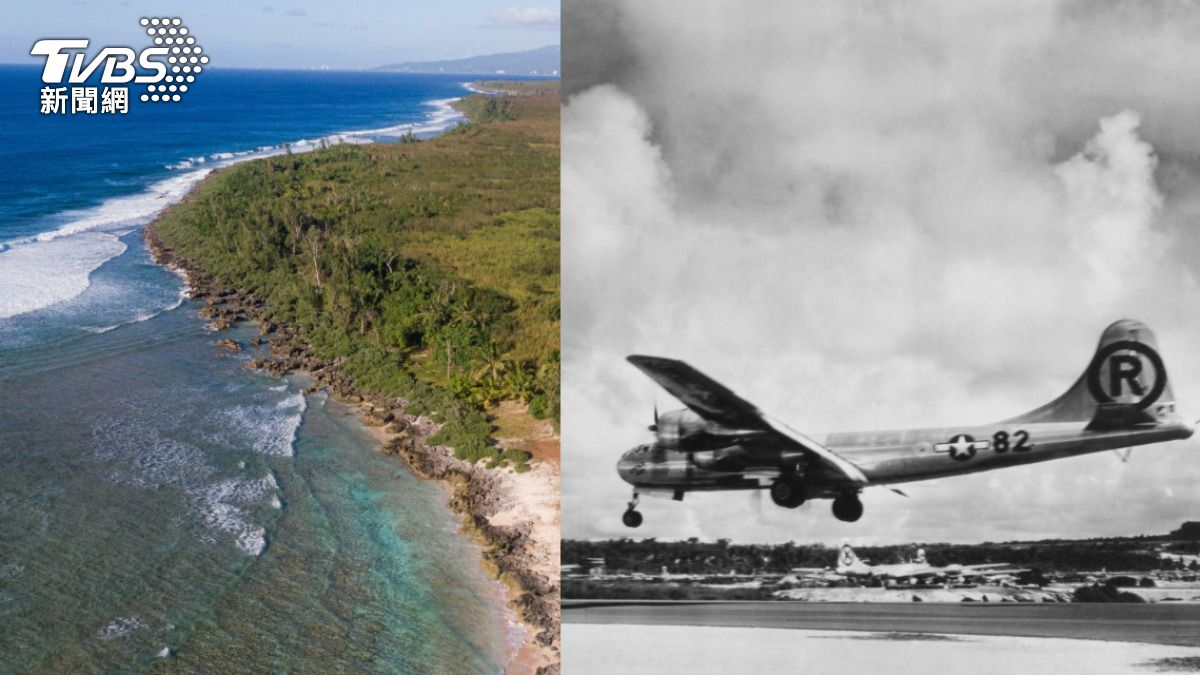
1124,386
847,558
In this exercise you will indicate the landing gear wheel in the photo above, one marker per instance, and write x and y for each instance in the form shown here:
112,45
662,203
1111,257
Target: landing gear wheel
787,492
847,508
631,517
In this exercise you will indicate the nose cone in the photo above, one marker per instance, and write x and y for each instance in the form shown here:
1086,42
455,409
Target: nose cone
625,467
631,463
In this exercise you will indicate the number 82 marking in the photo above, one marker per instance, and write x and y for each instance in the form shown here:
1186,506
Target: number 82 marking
1018,441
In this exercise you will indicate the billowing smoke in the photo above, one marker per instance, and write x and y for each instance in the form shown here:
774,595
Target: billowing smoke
880,215
1112,203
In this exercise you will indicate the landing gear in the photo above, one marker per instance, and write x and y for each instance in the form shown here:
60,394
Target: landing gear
847,508
788,492
631,517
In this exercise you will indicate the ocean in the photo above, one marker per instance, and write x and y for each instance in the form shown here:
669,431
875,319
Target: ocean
162,508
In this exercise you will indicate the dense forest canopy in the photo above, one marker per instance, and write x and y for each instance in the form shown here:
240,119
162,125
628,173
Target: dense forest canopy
428,268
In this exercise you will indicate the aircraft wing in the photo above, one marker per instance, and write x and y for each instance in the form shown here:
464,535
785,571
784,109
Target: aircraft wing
907,573
715,402
707,397
824,454
927,572
993,571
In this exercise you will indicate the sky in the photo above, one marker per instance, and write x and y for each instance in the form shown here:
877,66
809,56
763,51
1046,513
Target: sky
874,215
296,34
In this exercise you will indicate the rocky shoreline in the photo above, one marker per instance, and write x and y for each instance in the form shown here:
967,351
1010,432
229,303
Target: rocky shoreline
509,551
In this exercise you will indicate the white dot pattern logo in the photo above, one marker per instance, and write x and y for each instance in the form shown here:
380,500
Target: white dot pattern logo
170,32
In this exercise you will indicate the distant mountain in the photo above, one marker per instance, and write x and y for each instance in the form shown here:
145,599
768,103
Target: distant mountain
542,61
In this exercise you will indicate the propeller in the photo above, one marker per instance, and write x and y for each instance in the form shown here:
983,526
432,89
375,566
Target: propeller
654,427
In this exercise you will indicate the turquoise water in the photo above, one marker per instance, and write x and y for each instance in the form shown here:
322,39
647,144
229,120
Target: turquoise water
156,495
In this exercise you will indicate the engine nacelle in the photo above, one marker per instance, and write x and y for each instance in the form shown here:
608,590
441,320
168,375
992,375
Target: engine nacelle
681,429
732,458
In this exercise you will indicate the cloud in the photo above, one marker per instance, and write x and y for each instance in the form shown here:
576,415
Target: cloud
342,25
293,11
881,216
531,18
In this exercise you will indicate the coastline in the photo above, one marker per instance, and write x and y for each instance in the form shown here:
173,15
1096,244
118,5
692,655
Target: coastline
42,285
529,655
495,505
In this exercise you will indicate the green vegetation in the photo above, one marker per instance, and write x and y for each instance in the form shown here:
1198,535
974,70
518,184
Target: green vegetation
693,556
518,458
1104,593
428,269
482,108
657,590
521,87
1173,664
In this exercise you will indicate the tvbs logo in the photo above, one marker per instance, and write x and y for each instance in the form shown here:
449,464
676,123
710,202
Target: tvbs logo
167,69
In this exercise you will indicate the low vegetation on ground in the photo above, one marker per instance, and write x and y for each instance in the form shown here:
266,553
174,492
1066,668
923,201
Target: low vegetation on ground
521,87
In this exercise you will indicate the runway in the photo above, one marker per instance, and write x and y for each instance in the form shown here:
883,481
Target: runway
1160,623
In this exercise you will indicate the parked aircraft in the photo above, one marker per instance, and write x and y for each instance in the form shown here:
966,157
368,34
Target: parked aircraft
849,565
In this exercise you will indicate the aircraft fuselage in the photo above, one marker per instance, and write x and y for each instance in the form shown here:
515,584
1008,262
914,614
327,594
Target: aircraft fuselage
885,457
723,442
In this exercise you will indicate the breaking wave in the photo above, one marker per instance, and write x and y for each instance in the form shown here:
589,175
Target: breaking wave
143,457
224,507
269,427
55,266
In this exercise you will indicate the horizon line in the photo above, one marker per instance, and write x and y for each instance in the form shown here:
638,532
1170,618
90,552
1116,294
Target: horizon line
331,69
379,67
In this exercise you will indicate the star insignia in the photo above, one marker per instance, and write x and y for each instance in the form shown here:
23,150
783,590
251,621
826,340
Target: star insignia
962,447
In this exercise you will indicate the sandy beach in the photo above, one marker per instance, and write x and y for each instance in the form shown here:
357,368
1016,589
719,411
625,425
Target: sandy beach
534,499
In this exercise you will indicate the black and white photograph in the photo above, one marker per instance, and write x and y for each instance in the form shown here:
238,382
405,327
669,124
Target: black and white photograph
868,315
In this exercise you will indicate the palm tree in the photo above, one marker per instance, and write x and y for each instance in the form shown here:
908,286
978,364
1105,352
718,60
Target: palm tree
487,391
519,383
493,366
